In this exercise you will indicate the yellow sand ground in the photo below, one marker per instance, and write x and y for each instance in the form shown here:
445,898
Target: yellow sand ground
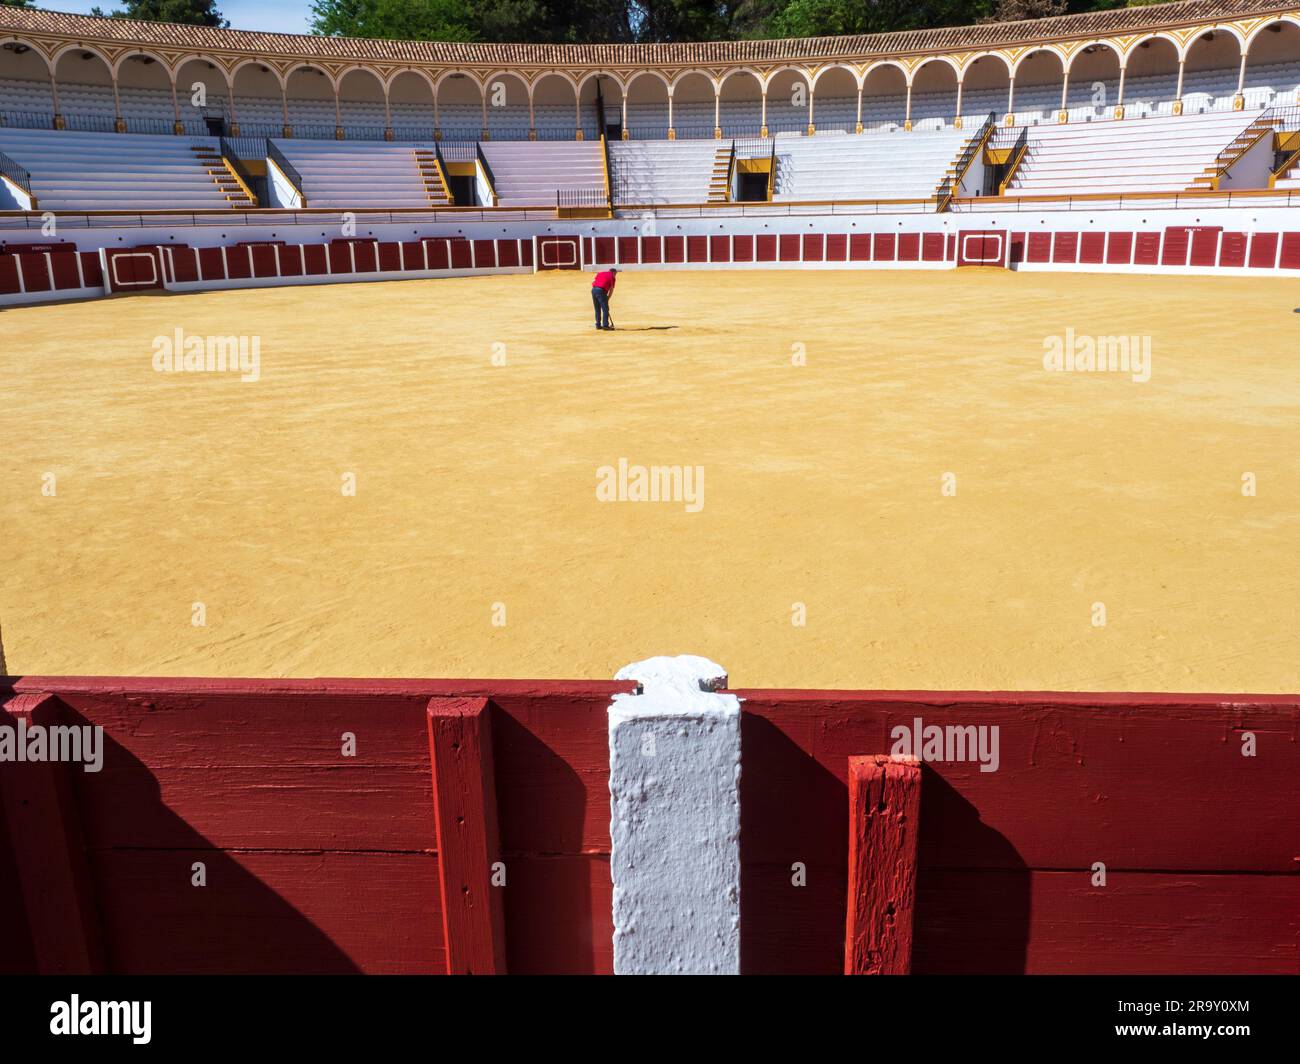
476,483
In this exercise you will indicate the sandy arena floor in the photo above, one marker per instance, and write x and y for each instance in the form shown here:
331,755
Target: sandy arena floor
476,483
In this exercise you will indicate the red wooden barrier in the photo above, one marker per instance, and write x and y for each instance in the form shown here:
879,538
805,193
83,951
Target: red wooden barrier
884,820
469,850
44,832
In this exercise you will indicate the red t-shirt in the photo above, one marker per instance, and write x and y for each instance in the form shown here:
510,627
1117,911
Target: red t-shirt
605,279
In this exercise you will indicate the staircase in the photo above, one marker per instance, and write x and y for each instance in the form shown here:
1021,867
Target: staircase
227,184
719,185
435,182
1263,126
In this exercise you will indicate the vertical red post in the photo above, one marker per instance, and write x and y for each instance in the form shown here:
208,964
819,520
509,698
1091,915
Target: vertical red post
884,817
39,806
465,812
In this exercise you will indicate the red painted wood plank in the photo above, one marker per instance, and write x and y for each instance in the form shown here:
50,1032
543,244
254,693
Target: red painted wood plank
44,832
270,912
465,812
884,818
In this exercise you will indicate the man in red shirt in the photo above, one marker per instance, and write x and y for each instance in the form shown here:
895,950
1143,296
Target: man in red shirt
602,287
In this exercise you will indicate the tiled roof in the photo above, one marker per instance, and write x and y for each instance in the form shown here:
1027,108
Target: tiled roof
202,38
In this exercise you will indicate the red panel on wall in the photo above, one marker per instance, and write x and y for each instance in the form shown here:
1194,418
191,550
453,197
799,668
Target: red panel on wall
390,256
485,254
340,258
1016,254
697,249
1263,251
814,247
460,254
837,247
1178,243
64,267
437,254
604,250
765,247
291,260
1232,251
8,275
952,247
1039,248
1092,247
1205,246
860,247
525,253
652,249
1065,247
264,264
315,259
36,272
932,247
1147,252
556,253
184,264
628,249
1290,259
90,269
588,250
883,247
239,263
211,265
788,247
720,248
364,256
674,249
507,253
1119,248
742,248
909,247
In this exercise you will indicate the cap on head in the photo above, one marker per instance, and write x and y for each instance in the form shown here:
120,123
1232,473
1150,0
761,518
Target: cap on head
613,269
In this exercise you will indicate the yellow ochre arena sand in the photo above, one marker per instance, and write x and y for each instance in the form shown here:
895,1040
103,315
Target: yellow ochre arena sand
476,482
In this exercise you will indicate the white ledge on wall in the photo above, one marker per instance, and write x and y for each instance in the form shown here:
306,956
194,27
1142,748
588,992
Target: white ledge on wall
674,779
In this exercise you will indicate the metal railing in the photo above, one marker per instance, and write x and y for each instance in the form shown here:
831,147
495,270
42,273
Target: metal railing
952,182
1129,201
457,151
15,173
170,220
444,174
1018,152
731,171
230,154
27,119
581,197
609,170
487,171
286,167
242,147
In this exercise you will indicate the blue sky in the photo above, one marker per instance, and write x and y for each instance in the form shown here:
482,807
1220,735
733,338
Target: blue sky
280,16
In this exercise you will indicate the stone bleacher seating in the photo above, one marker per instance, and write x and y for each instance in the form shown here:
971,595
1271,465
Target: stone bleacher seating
662,171
1159,154
530,174
107,171
869,166
350,175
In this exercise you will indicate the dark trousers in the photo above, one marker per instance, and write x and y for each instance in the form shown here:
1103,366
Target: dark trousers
601,299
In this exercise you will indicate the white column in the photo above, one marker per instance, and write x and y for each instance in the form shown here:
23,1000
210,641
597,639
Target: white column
674,775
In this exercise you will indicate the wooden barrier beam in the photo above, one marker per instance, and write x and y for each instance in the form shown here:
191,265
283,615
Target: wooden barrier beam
465,813
884,818
49,853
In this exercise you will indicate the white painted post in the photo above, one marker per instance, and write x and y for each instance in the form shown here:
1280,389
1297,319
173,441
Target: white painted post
674,783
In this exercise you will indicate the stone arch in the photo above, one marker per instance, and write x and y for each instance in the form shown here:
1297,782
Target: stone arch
884,96
458,105
694,95
985,85
1093,73
87,90
934,92
595,89
310,93
257,100
740,95
28,70
203,91
646,108
507,100
1211,69
1039,74
1151,75
789,94
1272,59
556,113
410,101
835,99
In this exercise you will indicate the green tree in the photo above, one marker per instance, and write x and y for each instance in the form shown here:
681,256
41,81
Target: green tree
16,3
186,12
